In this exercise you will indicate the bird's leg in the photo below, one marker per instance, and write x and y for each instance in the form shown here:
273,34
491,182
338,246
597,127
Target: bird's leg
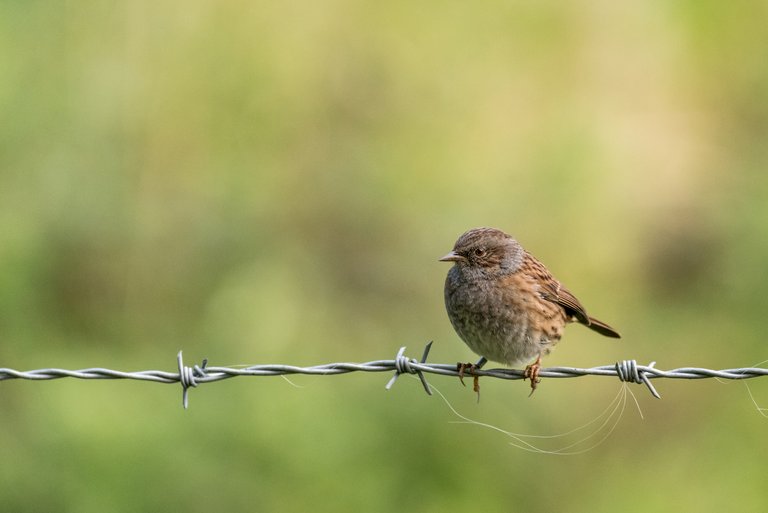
532,373
471,367
461,368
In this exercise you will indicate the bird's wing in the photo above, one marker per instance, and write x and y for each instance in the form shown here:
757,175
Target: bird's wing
552,290
564,298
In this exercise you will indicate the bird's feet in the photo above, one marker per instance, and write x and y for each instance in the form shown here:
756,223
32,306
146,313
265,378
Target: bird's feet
532,373
470,368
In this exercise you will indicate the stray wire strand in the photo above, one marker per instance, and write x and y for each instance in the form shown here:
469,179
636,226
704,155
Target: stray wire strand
190,377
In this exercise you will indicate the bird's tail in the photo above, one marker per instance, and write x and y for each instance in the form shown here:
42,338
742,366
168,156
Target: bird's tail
602,328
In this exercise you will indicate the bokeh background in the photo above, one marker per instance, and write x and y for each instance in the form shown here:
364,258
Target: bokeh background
273,182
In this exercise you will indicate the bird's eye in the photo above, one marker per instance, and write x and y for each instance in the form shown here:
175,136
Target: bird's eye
479,252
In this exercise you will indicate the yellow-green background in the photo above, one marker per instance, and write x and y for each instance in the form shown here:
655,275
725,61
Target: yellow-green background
273,182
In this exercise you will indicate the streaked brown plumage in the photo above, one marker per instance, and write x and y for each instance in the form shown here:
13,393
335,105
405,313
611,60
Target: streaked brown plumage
505,304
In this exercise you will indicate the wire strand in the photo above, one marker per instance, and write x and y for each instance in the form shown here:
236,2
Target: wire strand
189,377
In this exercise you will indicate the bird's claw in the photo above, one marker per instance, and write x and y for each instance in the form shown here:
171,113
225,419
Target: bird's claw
532,373
469,368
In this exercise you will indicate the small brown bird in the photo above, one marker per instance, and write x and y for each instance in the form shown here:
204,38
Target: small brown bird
505,304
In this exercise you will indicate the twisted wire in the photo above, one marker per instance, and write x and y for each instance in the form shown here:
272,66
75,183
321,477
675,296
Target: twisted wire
190,377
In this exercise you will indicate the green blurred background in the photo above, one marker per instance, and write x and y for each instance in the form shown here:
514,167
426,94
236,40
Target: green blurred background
273,182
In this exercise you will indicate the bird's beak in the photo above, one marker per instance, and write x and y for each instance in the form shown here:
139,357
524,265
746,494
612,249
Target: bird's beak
452,257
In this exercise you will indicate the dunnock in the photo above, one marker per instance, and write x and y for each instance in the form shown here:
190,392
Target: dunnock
505,305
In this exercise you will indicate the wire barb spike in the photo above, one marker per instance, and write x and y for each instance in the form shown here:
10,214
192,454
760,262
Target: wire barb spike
628,371
403,365
188,377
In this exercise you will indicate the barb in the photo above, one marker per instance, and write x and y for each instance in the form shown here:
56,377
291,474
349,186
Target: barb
190,377
627,371
403,364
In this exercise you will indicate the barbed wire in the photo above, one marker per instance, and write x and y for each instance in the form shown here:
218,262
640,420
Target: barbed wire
190,377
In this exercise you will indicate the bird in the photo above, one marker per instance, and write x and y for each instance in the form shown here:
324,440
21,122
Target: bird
506,305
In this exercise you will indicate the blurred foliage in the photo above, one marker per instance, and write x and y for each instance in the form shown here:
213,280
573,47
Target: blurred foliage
273,182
